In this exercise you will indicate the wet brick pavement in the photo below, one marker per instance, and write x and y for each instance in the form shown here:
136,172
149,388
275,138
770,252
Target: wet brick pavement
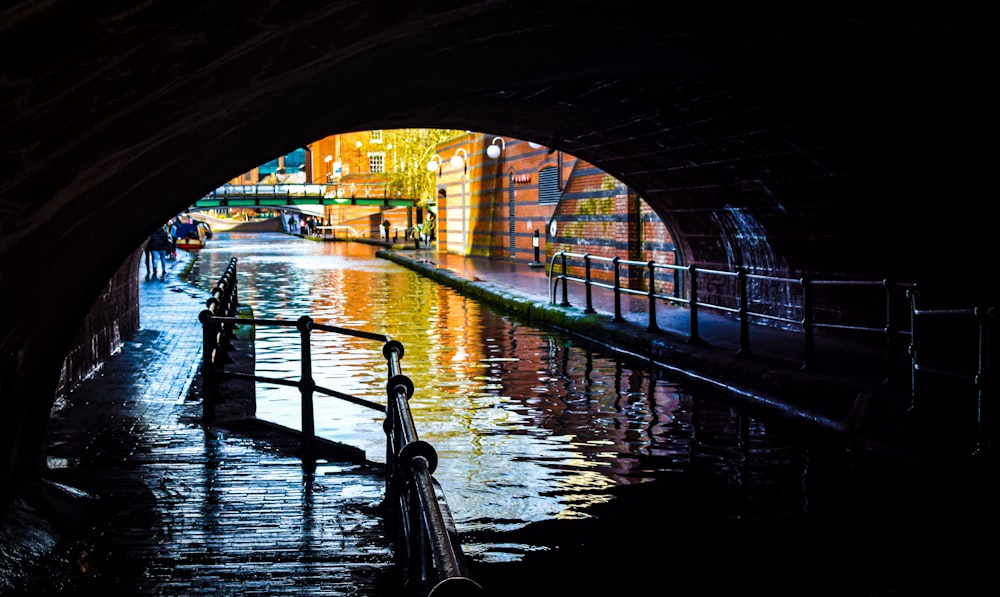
180,509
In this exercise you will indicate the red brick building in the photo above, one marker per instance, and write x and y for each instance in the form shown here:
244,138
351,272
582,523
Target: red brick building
493,207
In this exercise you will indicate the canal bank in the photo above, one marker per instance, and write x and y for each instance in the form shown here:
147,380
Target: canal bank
845,393
173,506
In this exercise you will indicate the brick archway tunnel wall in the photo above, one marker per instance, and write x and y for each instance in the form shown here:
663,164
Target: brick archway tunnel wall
845,136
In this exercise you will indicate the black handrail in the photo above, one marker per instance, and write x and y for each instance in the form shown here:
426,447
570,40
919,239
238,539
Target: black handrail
217,337
434,563
430,552
895,295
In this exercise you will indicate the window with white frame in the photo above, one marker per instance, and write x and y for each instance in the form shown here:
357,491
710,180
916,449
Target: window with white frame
376,161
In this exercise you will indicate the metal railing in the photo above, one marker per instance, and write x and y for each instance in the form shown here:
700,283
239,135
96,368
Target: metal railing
334,193
433,560
341,231
430,553
791,303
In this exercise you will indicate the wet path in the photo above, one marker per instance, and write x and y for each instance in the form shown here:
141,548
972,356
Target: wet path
185,510
585,476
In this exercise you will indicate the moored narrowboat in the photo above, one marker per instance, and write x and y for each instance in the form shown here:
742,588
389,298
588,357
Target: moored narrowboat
192,235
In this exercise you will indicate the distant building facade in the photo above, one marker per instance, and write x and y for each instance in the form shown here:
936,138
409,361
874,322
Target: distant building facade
492,207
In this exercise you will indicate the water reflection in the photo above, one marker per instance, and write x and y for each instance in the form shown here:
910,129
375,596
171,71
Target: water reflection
529,424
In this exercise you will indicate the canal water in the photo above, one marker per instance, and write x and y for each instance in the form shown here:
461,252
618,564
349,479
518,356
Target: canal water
533,427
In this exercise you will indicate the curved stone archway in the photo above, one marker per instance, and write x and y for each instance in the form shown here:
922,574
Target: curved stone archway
834,137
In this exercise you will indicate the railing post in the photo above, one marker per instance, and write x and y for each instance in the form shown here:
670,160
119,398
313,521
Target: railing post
227,331
393,352
210,382
890,333
809,348
306,387
652,327
744,311
586,268
678,288
618,292
985,405
234,288
565,291
695,336
914,339
217,331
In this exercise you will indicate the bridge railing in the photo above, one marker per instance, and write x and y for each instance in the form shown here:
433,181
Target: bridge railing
282,190
367,193
430,551
791,303
340,231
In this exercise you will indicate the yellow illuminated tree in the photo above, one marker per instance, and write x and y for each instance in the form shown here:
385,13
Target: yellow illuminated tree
407,171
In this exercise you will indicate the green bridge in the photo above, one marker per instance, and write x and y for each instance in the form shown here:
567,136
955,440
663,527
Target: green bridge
285,195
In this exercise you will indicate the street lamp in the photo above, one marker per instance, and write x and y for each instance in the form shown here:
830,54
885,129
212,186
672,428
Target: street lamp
493,151
459,161
435,164
329,167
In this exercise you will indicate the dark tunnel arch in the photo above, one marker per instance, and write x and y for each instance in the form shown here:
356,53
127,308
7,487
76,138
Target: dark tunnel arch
800,115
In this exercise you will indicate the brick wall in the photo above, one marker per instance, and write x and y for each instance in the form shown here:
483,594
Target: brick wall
593,212
113,318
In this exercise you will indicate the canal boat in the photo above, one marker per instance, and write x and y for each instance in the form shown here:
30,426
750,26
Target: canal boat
192,235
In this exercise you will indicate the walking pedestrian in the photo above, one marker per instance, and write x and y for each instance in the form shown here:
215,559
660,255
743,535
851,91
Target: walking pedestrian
427,230
386,225
172,249
414,233
159,244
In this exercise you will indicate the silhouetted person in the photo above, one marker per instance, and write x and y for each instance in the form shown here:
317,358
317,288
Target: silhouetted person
159,244
172,249
427,230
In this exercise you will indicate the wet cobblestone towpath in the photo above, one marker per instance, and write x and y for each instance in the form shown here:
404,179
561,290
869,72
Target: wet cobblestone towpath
176,508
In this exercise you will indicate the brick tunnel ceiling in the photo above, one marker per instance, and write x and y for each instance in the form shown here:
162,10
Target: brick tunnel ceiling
827,124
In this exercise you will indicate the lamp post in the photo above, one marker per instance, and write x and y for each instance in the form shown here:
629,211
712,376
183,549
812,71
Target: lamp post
534,243
329,167
435,164
460,160
494,150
